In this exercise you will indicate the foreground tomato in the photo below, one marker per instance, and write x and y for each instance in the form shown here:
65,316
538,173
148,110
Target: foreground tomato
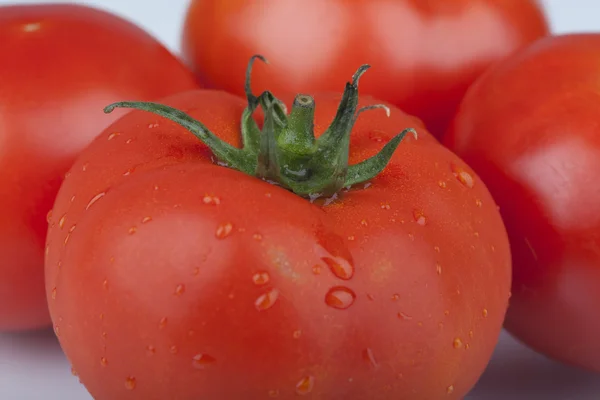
426,52
530,129
62,64
172,276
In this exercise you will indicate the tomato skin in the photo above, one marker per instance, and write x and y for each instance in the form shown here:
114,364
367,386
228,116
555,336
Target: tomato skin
66,63
426,53
156,281
535,145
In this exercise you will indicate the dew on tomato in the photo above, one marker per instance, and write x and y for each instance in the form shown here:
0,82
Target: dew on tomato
179,289
212,200
224,230
340,297
369,357
203,360
339,266
95,199
457,343
130,383
305,385
162,323
266,300
261,278
463,176
419,217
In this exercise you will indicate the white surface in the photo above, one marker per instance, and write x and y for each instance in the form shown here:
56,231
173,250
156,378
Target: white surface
32,366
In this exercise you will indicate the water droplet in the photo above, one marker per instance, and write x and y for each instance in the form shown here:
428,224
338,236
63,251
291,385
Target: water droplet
467,346
61,221
476,234
419,217
257,236
201,361
471,334
130,383
447,312
442,184
368,356
173,349
484,313
153,125
104,334
179,289
128,141
316,269
105,284
129,171
297,334
364,222
261,278
478,203
57,330
145,220
370,297
463,176
340,297
150,350
436,249
305,385
273,393
132,230
85,166
211,200
196,271
395,297
53,294
101,316
72,198
113,135
438,268
162,323
340,267
95,199
402,315
493,248
351,238
67,238
411,237
49,216
457,343
268,195
74,372
103,361
224,230
385,206
266,300
450,389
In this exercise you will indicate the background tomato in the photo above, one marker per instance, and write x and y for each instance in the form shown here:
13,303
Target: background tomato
530,128
425,53
61,65
176,275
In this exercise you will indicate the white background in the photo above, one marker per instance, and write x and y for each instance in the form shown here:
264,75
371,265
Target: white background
32,366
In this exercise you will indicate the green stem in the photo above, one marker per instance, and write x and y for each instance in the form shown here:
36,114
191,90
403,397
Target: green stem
285,151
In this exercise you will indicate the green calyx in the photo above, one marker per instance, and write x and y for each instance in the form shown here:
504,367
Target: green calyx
285,151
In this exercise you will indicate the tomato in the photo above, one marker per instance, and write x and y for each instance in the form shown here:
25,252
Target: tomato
62,64
530,128
426,53
178,273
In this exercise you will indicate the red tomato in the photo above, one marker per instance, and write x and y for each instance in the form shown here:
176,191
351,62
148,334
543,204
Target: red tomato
530,128
61,65
177,277
426,53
